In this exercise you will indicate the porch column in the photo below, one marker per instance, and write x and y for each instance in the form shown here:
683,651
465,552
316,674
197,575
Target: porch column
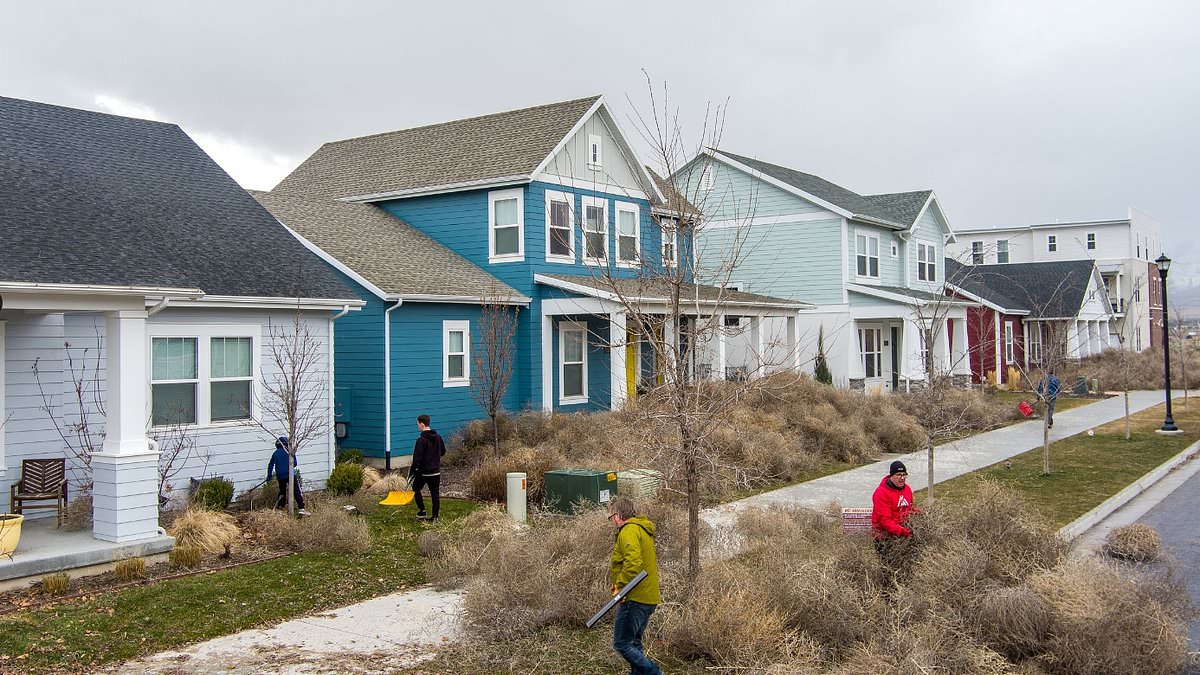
1072,340
793,343
961,361
547,362
756,339
125,471
616,354
1105,335
998,345
722,357
941,354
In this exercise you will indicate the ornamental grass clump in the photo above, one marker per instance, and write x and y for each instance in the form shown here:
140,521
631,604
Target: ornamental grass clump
211,531
185,556
1135,543
129,569
328,527
55,584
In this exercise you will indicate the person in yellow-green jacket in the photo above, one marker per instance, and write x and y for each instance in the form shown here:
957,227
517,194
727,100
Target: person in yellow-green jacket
633,552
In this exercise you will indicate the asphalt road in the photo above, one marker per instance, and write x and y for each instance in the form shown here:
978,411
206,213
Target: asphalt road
1175,519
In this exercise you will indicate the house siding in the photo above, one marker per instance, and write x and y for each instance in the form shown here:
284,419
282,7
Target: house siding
789,259
572,160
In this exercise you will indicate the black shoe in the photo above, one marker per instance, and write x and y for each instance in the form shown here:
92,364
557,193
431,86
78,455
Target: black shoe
422,516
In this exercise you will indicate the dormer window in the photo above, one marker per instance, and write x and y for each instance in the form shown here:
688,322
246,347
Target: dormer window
595,152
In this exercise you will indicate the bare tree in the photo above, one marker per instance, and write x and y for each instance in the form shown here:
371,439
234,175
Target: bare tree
492,359
1179,335
79,420
294,394
176,445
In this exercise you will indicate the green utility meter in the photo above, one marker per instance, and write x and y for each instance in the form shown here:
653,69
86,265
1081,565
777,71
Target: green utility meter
566,487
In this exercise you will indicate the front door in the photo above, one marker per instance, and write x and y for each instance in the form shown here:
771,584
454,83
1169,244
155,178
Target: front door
895,343
870,349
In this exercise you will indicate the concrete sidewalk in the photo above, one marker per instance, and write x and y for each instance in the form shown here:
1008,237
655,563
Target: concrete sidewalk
393,631
855,487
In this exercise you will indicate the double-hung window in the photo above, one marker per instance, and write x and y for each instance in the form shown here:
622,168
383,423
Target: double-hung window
871,351
1034,346
1009,343
926,262
1002,251
202,375
595,230
670,242
628,231
1051,243
977,253
456,353
572,366
506,225
1091,241
560,227
867,257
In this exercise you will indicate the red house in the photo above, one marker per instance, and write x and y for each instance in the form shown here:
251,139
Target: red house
995,328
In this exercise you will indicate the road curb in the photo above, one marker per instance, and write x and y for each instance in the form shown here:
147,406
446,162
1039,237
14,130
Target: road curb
1106,508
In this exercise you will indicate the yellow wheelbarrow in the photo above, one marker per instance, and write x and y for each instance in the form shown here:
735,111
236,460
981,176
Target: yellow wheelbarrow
399,497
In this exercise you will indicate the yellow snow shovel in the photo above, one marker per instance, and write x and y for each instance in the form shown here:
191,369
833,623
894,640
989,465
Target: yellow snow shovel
399,497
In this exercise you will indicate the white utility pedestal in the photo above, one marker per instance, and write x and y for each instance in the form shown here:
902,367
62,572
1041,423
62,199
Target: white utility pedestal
516,496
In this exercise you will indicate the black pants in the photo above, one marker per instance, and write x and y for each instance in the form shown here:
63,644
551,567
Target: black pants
434,483
281,501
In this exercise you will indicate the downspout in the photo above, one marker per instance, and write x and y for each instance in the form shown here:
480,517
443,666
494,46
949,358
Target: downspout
162,304
387,384
332,380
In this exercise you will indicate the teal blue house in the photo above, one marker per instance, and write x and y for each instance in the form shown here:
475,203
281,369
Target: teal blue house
546,210
872,264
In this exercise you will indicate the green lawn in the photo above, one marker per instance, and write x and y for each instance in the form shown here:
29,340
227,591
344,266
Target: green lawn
1084,470
80,635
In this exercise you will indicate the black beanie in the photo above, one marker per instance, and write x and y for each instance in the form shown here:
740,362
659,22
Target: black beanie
897,467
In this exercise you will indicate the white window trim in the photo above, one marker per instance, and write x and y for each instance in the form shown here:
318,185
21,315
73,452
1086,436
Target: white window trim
597,144
203,333
1007,251
1051,243
603,204
670,235
878,271
628,207
500,195
877,334
930,263
447,328
977,256
565,327
552,196
1010,351
1089,241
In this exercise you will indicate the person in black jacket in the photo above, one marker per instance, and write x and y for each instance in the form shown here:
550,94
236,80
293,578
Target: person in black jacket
426,468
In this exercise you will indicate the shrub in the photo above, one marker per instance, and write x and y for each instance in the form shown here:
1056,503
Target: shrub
55,584
1136,543
430,543
79,514
328,528
209,531
129,569
345,479
352,455
184,556
370,476
489,481
213,493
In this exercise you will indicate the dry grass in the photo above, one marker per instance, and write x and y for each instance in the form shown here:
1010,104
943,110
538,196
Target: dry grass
79,514
329,527
211,531
55,584
185,556
489,481
370,476
1136,543
1145,369
129,569
387,483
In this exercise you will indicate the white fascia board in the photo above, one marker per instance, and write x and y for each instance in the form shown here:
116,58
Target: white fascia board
498,182
990,305
562,142
337,264
932,201
614,128
575,288
231,301
464,299
904,299
98,289
614,297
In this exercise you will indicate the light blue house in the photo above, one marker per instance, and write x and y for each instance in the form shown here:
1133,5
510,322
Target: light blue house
873,264
546,207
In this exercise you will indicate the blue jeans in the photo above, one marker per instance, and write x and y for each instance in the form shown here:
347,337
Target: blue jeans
631,621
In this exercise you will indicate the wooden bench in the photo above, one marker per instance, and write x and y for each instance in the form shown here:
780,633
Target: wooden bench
856,520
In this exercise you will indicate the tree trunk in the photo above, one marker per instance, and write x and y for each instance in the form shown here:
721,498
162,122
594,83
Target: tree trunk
691,471
291,484
1045,446
1128,423
929,448
495,436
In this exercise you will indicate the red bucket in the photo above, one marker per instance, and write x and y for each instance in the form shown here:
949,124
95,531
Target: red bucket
1025,409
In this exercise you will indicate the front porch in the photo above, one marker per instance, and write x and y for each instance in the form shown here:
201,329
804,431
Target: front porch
44,549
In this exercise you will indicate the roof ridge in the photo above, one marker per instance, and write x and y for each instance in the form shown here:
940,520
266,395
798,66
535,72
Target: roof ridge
461,120
88,111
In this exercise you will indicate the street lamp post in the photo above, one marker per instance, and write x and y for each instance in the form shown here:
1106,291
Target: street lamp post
1164,265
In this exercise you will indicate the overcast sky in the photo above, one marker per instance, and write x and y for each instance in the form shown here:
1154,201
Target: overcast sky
1014,112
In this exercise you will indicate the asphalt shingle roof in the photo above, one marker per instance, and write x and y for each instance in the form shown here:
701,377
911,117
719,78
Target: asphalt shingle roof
657,289
477,149
915,294
898,208
384,250
96,199
1054,289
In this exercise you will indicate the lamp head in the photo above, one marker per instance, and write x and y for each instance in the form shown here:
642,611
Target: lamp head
1163,262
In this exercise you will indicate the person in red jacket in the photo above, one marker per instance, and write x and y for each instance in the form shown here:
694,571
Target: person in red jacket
891,505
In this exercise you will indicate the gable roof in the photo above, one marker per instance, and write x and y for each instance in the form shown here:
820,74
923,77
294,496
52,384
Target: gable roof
897,210
384,251
1046,290
657,290
477,150
88,198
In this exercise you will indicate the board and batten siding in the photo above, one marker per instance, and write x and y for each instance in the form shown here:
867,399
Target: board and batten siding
572,161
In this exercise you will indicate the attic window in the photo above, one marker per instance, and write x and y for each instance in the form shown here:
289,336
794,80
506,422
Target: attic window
595,152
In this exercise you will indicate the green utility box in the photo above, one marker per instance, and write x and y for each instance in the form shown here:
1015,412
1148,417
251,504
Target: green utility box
566,487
